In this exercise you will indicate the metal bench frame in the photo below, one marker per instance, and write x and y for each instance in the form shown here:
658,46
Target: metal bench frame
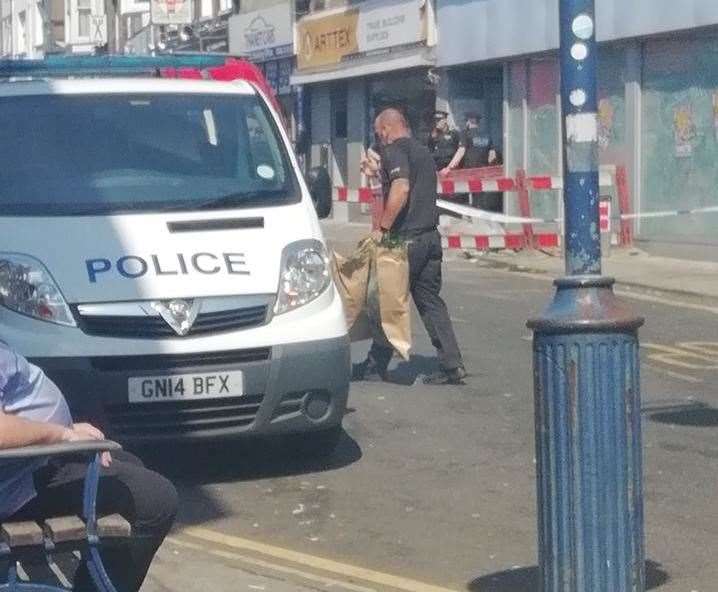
91,543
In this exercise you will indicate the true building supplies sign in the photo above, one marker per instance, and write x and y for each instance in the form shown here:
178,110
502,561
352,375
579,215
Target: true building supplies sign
262,34
171,12
326,39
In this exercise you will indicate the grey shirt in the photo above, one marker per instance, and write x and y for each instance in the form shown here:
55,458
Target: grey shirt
25,391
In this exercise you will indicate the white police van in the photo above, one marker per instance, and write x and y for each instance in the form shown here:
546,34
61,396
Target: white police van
161,258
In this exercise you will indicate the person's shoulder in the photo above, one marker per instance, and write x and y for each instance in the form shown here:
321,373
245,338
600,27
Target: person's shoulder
402,146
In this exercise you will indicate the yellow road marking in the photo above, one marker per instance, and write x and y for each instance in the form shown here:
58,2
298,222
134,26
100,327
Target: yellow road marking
677,356
666,301
709,348
672,374
319,563
329,582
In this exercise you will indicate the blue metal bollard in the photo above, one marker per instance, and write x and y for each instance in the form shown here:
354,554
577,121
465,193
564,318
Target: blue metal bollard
586,371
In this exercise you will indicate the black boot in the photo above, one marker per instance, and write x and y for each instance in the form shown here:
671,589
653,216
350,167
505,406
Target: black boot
443,376
368,371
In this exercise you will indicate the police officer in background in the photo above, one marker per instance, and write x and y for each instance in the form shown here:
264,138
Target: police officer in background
479,149
444,144
410,213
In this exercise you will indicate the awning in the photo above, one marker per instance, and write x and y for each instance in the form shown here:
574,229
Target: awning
368,65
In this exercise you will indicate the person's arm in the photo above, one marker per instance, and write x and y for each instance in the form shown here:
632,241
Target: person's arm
396,167
456,160
17,432
458,157
493,156
398,196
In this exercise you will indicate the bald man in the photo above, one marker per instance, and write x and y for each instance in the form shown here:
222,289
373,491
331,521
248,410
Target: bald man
409,179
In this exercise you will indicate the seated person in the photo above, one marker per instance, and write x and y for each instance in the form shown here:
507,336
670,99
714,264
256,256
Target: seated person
33,411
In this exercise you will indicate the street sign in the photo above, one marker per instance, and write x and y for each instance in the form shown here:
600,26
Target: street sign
171,12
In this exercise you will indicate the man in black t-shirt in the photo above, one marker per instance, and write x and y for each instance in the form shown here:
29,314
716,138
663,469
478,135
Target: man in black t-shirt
410,213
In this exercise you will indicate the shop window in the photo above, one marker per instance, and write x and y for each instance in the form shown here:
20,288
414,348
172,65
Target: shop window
680,134
543,129
340,116
22,37
612,105
84,12
481,90
514,152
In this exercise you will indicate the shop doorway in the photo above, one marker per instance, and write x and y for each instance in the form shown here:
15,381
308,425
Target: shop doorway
411,92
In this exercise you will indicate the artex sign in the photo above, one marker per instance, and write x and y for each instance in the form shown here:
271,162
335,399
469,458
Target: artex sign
263,34
328,38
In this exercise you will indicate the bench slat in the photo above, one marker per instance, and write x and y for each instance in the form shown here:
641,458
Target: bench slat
65,528
22,534
114,526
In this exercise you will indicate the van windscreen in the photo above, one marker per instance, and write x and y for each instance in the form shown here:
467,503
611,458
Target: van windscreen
104,154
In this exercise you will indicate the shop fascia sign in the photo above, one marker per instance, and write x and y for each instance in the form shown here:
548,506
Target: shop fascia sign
263,34
134,6
328,38
171,12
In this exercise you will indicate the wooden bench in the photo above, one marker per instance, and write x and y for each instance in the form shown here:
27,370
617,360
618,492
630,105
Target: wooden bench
28,550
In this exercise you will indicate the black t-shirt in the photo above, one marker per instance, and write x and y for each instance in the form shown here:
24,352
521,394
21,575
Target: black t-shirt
443,147
477,146
406,158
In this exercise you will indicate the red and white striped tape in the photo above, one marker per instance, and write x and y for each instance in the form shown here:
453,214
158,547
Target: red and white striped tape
484,242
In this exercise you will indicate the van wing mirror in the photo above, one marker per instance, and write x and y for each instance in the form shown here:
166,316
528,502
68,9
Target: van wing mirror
320,188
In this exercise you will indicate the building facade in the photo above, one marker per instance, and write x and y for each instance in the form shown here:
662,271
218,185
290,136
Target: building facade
353,59
30,28
658,99
199,25
263,32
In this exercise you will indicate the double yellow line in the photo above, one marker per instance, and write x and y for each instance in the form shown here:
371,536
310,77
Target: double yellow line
294,563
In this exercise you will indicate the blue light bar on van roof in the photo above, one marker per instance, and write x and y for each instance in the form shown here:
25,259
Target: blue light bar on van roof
106,65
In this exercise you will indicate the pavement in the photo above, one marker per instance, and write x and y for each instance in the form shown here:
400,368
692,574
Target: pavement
432,488
631,267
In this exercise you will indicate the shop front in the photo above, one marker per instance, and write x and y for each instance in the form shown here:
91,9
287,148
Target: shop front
657,110
352,63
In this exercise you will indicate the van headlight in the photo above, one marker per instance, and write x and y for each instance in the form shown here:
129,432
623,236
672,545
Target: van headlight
26,287
304,274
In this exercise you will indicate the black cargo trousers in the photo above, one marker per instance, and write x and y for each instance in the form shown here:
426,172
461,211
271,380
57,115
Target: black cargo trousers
425,257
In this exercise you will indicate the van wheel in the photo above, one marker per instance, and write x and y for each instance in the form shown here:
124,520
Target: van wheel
319,444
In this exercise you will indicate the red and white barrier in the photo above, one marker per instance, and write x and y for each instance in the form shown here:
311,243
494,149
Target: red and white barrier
483,242
450,186
361,195
491,179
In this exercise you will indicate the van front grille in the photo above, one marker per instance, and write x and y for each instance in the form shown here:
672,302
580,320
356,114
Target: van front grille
154,327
